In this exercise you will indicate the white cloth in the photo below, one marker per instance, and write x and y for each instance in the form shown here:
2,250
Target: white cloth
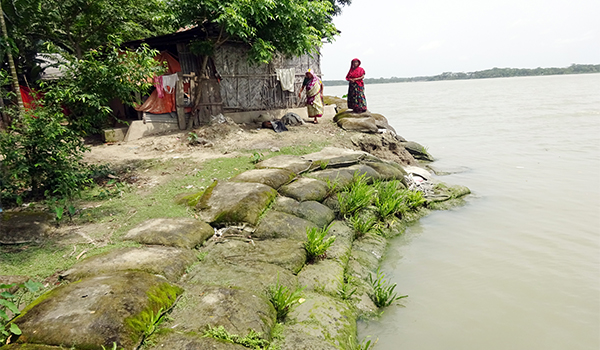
286,77
169,82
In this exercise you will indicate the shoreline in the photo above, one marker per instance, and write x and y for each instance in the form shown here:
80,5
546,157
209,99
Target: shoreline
222,280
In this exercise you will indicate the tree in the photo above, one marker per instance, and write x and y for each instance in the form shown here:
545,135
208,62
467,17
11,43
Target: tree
11,62
289,27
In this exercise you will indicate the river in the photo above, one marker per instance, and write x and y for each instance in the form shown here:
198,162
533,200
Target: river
518,266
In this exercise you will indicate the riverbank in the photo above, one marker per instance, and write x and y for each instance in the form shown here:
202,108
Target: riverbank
163,258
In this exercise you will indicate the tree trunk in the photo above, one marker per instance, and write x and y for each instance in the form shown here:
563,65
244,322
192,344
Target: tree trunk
11,63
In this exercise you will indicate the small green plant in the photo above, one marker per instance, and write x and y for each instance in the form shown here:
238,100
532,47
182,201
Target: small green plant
316,244
283,299
193,138
155,320
323,164
366,344
347,288
9,306
362,224
358,195
383,291
256,157
332,186
389,199
413,199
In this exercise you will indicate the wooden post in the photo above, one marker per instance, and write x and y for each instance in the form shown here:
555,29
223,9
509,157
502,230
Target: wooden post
179,102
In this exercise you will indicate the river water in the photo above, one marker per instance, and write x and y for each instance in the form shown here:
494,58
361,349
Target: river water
518,266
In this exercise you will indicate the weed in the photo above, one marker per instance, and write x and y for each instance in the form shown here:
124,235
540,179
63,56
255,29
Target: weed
362,224
347,288
253,340
413,198
9,306
283,299
366,344
389,199
383,291
359,195
316,245
323,164
193,138
256,157
332,187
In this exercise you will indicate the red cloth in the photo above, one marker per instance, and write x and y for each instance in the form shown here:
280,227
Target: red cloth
30,97
356,73
156,104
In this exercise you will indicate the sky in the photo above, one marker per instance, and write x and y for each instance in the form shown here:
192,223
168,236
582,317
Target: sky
399,38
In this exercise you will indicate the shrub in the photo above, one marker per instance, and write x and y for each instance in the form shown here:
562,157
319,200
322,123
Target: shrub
316,245
383,291
359,195
42,157
283,299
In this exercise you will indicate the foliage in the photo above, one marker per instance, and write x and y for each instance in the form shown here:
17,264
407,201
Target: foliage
253,340
362,224
9,306
366,344
359,195
347,289
42,156
91,82
383,291
289,27
283,299
412,199
316,245
388,199
256,157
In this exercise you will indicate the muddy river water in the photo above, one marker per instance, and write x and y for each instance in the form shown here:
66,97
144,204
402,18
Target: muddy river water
518,266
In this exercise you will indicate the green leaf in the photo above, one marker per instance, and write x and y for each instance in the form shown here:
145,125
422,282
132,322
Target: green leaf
33,286
10,306
15,329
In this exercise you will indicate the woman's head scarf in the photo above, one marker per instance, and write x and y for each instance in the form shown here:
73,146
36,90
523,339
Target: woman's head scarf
356,72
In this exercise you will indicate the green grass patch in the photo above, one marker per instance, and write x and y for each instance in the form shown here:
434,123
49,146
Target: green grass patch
316,244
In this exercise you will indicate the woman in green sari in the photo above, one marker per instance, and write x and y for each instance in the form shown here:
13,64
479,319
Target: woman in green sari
314,95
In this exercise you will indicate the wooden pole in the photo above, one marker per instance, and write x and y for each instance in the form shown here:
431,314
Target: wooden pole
11,63
179,102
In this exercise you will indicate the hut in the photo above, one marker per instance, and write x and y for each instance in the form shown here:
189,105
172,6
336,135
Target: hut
230,84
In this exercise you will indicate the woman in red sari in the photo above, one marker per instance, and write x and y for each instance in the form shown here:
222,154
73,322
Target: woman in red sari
356,89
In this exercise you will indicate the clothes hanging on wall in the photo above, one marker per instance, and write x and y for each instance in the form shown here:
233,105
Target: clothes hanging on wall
169,82
286,77
158,84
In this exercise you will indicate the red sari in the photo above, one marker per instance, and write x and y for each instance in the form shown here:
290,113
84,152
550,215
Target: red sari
356,89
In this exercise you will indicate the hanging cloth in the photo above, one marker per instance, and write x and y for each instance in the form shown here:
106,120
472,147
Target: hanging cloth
169,82
158,84
286,77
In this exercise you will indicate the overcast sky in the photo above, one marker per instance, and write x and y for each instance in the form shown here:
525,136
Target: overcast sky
410,38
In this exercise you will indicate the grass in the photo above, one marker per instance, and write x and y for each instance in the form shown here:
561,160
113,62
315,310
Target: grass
383,291
112,210
316,245
347,289
358,195
362,224
252,340
283,299
366,344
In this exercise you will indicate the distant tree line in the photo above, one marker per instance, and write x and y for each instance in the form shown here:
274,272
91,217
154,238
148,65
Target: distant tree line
483,74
